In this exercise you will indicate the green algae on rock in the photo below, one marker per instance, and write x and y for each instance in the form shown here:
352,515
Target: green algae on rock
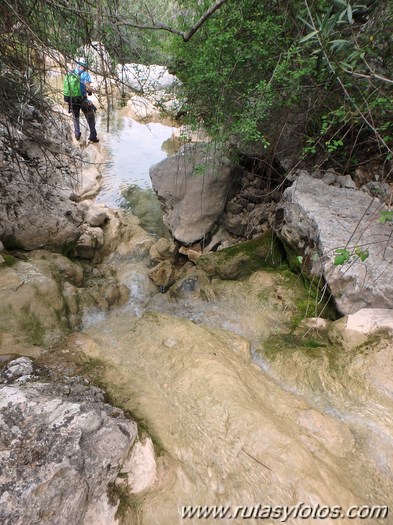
242,259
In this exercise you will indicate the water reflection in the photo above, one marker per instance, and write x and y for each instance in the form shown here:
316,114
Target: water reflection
132,148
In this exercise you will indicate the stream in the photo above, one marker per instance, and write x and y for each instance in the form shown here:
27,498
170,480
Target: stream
232,423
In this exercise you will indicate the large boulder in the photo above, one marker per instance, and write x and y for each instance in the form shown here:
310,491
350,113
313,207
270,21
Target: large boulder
34,209
146,78
62,448
46,295
314,220
193,187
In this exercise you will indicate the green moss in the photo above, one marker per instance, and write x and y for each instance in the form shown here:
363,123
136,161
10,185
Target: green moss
241,260
317,349
290,343
119,494
292,258
9,260
309,296
31,325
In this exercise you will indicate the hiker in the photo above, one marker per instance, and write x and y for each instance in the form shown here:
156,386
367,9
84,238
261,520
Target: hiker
77,85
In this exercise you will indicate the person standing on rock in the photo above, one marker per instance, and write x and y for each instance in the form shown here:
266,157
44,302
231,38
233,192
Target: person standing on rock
77,85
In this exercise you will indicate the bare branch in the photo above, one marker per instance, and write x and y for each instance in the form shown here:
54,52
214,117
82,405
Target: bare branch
187,36
158,26
368,77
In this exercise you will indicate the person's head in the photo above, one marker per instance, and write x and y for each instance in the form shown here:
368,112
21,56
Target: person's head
81,63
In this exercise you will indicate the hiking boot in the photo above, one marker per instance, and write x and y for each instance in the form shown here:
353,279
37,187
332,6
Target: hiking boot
78,137
94,140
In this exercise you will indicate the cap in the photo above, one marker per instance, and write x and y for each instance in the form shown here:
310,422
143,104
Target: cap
81,61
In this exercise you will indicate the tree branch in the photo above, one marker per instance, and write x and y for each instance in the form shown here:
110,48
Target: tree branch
158,26
187,36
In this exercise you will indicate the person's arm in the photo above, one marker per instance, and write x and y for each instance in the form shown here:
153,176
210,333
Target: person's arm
86,79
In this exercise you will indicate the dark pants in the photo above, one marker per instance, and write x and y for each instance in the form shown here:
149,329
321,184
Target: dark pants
77,104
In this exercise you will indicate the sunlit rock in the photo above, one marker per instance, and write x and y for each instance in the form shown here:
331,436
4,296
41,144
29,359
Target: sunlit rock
140,466
226,429
316,220
355,329
61,447
145,78
193,188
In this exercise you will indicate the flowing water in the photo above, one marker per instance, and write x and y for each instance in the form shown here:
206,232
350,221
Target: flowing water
235,422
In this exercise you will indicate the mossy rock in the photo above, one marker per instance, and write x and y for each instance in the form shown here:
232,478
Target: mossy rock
8,260
241,260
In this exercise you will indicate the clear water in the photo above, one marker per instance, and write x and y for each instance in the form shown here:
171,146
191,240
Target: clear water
131,148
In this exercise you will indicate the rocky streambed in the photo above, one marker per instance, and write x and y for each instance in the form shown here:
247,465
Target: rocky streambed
230,388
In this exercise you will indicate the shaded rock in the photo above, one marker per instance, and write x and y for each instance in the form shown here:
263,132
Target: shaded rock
234,207
314,220
372,171
243,259
66,269
329,177
235,224
193,187
23,366
34,208
381,190
31,303
163,274
346,181
195,282
42,298
217,239
192,254
162,249
124,235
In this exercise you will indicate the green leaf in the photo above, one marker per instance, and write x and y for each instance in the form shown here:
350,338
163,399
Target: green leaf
362,254
306,23
339,259
349,14
341,256
385,216
299,259
338,44
308,37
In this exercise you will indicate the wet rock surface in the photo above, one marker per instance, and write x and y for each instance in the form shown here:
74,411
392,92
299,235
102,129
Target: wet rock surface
228,432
